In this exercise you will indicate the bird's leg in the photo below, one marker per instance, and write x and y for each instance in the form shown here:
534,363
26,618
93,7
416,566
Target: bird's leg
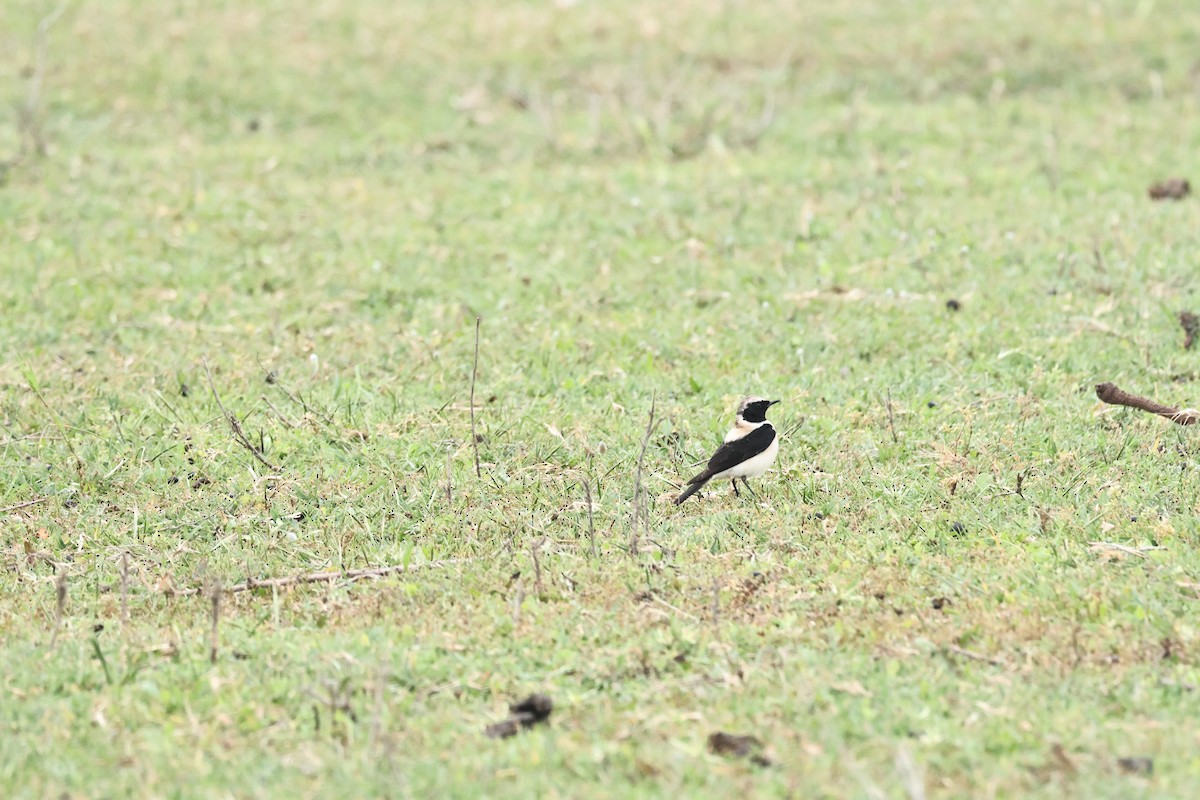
735,491
746,483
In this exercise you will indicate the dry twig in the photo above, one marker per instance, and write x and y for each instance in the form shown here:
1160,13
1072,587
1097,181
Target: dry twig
235,426
891,417
1111,394
964,653
317,577
282,417
1140,552
26,504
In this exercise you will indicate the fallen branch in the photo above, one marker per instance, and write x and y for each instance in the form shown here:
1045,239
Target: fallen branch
1111,394
234,425
316,577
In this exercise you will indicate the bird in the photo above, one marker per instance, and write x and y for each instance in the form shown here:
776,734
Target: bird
749,449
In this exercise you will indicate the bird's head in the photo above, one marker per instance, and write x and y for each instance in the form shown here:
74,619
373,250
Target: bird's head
754,409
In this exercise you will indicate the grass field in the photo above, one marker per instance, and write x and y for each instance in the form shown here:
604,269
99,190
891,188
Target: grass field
667,205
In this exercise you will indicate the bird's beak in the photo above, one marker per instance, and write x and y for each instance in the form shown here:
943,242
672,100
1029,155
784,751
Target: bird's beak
773,402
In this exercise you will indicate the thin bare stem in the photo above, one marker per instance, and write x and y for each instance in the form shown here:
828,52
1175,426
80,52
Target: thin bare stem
124,588
958,651
891,417
282,417
537,565
299,400
474,373
235,426
716,601
60,603
1140,552
637,482
214,638
379,702
62,431
318,577
587,495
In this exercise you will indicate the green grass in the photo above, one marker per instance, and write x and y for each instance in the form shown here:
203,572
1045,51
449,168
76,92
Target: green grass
318,204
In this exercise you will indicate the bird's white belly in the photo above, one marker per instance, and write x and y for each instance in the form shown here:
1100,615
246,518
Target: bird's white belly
753,467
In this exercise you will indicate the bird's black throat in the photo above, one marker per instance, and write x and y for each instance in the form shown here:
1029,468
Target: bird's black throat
756,412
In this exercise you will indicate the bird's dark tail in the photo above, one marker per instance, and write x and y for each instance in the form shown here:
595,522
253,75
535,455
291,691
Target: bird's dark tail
694,485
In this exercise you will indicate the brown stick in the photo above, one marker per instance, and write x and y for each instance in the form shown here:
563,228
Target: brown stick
1111,394
238,434
474,372
317,577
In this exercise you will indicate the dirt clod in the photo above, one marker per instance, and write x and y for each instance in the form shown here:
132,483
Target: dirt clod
733,745
1191,328
1136,765
531,711
1170,189
537,707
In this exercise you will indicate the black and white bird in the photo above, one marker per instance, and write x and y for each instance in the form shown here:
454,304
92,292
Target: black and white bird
749,450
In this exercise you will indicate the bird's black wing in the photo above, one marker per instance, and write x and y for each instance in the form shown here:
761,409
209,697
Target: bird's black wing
731,454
